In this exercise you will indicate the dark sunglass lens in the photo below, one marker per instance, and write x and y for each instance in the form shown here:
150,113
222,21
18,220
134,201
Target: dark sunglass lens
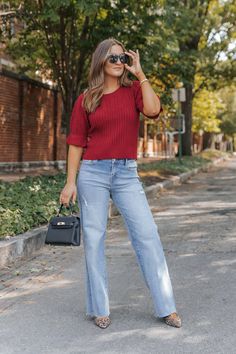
124,58
113,59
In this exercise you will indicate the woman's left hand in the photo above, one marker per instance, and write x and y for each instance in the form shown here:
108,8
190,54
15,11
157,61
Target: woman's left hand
135,68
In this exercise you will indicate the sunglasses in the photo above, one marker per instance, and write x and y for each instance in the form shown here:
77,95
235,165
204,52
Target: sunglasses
113,58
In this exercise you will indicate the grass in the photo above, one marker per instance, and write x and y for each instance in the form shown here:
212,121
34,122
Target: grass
213,154
173,166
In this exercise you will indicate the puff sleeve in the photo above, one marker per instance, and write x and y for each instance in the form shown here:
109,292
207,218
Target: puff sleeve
139,99
79,125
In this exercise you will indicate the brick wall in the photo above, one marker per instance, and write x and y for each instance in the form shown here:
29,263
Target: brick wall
30,121
9,119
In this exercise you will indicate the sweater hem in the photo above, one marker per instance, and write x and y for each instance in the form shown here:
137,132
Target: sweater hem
108,157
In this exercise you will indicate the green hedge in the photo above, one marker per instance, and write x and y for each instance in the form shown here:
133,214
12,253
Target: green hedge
29,202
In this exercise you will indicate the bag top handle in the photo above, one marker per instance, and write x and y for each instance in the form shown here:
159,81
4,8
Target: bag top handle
67,207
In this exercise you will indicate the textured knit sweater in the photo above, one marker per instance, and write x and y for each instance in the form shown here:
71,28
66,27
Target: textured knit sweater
111,131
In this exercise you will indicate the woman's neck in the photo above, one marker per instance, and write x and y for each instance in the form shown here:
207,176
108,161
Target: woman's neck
110,84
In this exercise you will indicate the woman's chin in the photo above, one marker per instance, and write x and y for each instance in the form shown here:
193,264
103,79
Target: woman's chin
116,73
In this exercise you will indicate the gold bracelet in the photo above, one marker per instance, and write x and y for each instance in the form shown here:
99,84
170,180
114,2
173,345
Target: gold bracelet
141,82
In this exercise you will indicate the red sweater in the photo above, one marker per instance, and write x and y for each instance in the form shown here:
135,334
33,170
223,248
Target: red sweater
112,130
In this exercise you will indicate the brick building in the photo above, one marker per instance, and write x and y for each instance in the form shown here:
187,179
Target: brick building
30,111
30,123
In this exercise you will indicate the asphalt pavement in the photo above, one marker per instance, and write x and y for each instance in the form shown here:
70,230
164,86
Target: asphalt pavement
42,303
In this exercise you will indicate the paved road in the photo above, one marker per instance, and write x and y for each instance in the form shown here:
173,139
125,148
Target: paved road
42,303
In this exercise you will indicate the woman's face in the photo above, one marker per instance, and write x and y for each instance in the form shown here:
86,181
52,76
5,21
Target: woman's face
114,69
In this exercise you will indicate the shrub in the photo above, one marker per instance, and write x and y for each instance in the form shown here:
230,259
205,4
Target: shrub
29,202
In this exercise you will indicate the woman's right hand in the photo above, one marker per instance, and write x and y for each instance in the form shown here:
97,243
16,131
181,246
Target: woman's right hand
69,192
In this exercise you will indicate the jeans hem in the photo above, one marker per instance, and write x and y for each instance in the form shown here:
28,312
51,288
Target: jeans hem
95,315
164,314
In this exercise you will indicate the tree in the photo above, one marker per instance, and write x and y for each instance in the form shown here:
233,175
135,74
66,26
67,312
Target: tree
228,116
55,42
60,36
206,107
177,41
201,31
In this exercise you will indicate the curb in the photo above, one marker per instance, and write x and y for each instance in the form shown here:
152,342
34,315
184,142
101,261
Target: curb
178,180
24,245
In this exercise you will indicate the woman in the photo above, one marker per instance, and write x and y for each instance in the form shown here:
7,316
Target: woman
105,121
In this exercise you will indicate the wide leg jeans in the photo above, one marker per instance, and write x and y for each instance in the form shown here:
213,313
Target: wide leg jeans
98,181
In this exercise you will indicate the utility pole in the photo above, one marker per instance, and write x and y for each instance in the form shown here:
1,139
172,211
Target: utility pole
179,95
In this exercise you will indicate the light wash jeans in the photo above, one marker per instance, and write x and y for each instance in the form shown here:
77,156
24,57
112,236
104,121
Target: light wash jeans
98,180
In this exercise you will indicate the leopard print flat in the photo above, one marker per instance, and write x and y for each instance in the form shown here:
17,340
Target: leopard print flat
102,322
173,320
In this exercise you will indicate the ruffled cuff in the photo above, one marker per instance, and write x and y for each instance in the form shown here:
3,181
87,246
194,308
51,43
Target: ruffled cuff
78,140
155,117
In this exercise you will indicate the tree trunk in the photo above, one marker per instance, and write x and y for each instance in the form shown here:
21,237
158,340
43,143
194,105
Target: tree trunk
207,140
187,111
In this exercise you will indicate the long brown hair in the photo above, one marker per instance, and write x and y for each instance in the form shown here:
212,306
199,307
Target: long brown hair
93,95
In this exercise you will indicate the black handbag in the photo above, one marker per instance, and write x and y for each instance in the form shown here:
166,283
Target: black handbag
64,229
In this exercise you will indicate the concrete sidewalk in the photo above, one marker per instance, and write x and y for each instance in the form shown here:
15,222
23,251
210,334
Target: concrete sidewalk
43,299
